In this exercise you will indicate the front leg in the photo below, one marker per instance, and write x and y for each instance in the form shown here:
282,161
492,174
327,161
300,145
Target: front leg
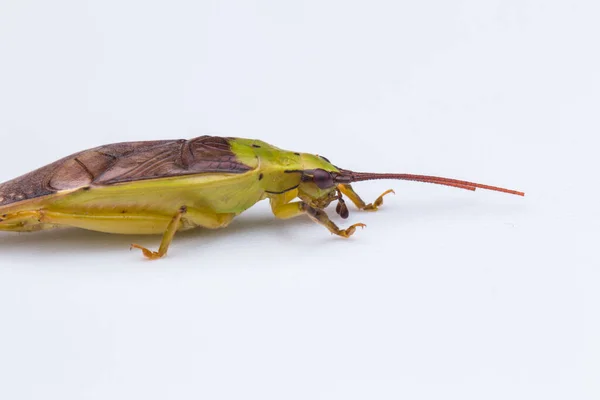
291,210
358,202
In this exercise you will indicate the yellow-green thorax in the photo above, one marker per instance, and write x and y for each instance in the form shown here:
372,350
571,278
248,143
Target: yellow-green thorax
281,171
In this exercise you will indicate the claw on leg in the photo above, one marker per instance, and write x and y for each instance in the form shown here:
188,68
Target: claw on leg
346,233
149,254
379,202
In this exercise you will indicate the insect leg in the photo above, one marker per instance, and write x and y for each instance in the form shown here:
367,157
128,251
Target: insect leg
291,210
358,202
167,237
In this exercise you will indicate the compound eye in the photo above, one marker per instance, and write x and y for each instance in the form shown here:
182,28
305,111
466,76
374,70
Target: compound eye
323,179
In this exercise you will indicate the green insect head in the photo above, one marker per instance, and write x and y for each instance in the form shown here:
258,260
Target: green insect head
317,185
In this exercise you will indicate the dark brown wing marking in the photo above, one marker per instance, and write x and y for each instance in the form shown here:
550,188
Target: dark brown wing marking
150,161
125,162
211,154
65,173
185,157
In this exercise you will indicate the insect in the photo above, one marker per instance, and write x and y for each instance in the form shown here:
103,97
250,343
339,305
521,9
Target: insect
161,187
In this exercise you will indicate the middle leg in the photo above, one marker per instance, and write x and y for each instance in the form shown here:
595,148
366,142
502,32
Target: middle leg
295,209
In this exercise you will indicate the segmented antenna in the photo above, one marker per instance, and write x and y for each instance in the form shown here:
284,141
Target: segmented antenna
350,176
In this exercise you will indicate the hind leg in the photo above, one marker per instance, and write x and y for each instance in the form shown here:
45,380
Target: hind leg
97,220
23,222
131,222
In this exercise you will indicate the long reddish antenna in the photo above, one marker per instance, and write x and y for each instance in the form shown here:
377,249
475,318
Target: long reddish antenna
346,176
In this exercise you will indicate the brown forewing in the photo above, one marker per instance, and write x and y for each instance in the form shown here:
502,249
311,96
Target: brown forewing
125,162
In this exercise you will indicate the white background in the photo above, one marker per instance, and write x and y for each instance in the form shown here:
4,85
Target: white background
447,294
